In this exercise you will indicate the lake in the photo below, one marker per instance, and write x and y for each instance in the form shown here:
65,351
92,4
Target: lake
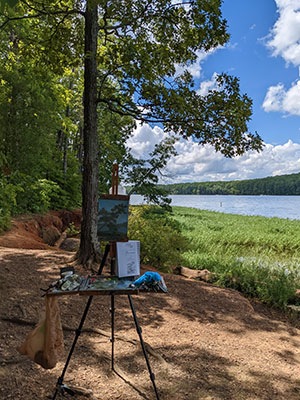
267,206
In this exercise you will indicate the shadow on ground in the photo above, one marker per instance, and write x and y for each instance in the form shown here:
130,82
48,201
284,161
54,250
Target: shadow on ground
206,338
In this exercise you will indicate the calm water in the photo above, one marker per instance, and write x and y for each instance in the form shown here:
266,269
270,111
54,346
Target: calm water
267,206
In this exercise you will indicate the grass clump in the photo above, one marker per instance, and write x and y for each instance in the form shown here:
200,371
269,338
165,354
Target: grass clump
257,255
274,284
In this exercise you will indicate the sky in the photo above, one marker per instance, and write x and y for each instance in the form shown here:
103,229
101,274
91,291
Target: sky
264,53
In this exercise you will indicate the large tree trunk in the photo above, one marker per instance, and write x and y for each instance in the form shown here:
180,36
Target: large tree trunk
89,245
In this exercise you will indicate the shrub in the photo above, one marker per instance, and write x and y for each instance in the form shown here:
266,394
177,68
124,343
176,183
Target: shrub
21,193
68,192
32,194
162,243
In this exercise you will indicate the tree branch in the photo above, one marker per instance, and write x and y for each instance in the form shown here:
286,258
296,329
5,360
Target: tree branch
9,19
150,171
44,11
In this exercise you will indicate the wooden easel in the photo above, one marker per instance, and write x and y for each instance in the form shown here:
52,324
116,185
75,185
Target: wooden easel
110,248
113,245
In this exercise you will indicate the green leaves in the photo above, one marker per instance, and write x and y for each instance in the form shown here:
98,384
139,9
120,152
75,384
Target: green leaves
140,44
143,44
10,3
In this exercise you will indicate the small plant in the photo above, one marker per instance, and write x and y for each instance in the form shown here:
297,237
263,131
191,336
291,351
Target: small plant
72,230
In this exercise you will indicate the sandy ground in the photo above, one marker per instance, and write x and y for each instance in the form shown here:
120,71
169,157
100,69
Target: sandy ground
208,342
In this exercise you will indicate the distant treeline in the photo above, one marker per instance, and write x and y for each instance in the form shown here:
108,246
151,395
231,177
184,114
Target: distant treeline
275,185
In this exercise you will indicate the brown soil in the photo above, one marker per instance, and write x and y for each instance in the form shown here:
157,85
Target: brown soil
208,342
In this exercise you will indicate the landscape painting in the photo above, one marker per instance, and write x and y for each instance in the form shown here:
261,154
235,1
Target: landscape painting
112,218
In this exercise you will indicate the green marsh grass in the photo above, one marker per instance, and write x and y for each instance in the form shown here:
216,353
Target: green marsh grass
257,255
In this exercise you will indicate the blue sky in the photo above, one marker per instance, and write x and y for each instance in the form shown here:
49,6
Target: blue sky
249,58
264,53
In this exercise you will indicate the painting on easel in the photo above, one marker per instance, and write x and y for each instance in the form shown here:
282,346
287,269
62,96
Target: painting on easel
113,217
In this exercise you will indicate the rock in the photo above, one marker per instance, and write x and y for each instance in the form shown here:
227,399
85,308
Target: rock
294,308
206,275
70,244
50,234
68,217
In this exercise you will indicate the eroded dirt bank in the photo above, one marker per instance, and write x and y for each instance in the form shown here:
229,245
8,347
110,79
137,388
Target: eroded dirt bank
39,231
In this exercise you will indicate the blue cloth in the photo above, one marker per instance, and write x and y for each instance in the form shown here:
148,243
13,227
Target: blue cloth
148,278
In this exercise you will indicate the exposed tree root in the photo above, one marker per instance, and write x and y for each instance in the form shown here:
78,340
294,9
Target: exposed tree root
97,331
89,264
126,379
61,238
80,391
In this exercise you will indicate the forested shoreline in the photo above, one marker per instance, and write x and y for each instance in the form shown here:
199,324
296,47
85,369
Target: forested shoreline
288,185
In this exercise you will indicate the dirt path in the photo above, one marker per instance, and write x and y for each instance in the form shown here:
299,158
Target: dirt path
212,343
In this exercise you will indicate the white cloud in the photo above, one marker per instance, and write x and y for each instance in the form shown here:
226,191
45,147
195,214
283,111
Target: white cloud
280,99
195,68
196,163
274,98
205,86
284,38
284,41
144,139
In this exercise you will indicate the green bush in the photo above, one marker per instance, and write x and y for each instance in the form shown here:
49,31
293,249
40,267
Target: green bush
162,243
68,194
20,194
34,195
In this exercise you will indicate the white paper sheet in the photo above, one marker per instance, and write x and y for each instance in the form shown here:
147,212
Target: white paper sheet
128,258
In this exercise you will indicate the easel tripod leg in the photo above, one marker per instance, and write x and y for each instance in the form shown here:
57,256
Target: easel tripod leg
112,339
78,330
77,334
139,331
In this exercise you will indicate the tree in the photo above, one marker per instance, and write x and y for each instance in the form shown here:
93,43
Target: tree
28,105
131,49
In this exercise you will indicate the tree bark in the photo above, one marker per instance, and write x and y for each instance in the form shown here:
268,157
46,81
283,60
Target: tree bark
89,245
